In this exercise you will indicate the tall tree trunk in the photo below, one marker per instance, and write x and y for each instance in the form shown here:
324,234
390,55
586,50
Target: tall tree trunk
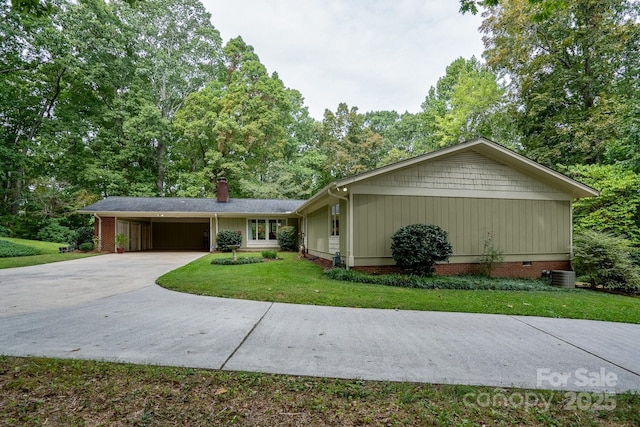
161,150
47,106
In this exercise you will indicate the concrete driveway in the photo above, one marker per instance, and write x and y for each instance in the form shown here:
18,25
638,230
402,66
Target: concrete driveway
109,308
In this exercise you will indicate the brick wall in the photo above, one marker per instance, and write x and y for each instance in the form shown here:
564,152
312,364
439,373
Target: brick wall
108,233
505,269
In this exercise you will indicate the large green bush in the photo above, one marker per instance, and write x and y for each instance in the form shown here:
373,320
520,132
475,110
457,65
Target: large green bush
604,260
616,209
4,231
418,247
287,238
53,231
226,238
83,235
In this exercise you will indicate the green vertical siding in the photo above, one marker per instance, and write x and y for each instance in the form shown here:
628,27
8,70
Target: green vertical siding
318,230
233,224
518,226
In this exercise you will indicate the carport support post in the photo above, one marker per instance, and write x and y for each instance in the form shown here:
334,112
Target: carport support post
210,233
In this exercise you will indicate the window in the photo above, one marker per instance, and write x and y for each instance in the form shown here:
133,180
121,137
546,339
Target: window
265,229
335,220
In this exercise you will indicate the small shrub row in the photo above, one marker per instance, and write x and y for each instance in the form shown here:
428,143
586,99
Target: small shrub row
440,282
86,246
270,254
10,249
238,261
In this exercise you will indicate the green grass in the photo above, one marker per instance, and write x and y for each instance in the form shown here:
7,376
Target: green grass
301,282
42,391
48,253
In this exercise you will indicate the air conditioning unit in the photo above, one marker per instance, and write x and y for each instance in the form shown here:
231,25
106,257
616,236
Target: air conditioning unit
563,279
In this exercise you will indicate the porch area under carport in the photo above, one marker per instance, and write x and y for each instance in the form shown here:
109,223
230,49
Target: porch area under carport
155,233
185,233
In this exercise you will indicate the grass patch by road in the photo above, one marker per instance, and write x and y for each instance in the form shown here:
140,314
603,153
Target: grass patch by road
43,253
301,282
42,391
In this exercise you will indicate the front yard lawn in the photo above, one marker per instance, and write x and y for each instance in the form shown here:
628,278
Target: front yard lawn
34,252
299,281
47,392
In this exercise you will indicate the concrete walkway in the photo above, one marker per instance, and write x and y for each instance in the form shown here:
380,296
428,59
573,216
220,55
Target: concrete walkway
108,308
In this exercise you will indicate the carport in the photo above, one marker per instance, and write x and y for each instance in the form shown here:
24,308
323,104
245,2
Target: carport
173,223
162,233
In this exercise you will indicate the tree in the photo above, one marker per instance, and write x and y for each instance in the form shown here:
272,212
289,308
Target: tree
403,136
99,138
617,209
565,70
32,71
467,102
546,7
238,126
348,145
180,52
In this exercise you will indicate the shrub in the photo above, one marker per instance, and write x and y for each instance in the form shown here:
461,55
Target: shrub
4,231
441,282
287,238
490,256
86,246
54,232
83,235
634,256
603,259
226,238
10,249
418,247
270,254
238,261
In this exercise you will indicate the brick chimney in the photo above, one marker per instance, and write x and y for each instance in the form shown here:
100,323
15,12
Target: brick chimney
222,190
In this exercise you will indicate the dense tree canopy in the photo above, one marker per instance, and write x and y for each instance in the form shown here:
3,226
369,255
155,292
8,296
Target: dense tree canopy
566,72
101,98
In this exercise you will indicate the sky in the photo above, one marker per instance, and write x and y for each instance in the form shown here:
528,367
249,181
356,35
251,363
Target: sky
371,54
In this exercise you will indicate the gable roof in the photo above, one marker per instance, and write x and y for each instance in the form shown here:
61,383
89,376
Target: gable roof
193,206
482,146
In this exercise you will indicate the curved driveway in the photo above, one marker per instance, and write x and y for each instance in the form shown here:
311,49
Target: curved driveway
109,308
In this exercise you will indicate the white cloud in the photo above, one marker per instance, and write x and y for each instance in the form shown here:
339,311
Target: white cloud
375,55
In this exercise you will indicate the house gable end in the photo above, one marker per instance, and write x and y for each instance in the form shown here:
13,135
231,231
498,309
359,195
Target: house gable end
467,173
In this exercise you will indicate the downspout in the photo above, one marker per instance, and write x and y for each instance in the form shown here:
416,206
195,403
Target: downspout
350,259
303,230
216,217
115,233
95,215
571,234
210,232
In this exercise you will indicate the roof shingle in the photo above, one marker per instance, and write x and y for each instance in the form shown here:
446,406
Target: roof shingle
193,205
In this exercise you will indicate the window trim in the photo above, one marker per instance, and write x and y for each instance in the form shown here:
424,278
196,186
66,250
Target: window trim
334,220
269,235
